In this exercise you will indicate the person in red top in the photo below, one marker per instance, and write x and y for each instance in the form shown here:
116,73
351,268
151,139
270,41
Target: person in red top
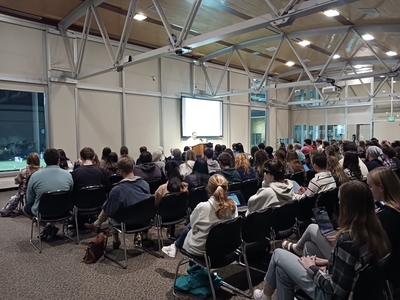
307,147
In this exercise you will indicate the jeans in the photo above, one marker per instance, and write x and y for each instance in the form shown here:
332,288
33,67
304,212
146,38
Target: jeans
181,238
314,243
285,272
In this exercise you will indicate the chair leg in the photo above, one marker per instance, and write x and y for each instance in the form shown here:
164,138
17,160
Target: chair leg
208,263
181,262
76,223
31,239
389,290
123,238
246,266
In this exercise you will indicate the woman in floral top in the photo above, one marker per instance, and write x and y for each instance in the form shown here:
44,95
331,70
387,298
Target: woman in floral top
33,165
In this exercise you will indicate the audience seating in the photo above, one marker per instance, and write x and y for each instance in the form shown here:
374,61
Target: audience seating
89,201
330,200
114,179
283,221
310,175
196,195
132,220
305,213
172,211
299,178
221,250
54,206
237,186
155,184
249,188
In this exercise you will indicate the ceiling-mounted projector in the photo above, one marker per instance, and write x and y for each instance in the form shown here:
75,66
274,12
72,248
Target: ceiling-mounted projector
331,90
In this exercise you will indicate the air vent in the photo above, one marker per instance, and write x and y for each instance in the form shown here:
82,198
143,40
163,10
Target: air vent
368,11
270,49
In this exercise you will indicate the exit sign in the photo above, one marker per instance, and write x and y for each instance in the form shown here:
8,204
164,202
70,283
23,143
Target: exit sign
391,119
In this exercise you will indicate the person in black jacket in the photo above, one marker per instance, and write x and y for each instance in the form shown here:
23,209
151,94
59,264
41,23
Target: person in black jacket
199,176
147,169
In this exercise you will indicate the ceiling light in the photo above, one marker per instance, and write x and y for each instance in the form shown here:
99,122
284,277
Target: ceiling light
397,115
358,66
336,56
290,63
140,17
304,43
382,76
383,91
391,53
394,81
331,13
367,37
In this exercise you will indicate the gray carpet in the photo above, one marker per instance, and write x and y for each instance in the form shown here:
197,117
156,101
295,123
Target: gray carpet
59,273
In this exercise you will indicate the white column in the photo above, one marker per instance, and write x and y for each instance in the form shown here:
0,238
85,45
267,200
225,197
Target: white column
35,122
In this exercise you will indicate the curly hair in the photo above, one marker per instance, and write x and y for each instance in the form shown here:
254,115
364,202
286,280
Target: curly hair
218,186
241,161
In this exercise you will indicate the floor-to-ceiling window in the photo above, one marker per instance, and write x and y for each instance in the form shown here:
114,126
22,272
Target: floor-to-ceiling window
300,133
257,127
317,132
336,132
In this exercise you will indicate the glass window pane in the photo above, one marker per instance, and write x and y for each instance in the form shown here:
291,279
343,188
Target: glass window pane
317,132
300,133
258,119
261,96
22,127
336,132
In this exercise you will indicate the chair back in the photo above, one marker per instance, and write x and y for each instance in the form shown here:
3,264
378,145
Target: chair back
173,207
236,186
249,188
284,217
196,196
154,184
256,226
114,178
91,196
305,207
310,175
330,200
224,238
137,215
299,178
56,203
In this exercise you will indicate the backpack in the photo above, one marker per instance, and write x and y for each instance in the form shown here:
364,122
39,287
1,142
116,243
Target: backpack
9,210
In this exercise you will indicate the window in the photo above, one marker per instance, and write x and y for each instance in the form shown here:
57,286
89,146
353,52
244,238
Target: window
317,132
300,133
306,95
258,119
22,127
336,132
261,96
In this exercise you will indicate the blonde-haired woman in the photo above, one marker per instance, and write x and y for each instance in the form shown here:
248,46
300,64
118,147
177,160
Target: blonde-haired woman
385,187
187,167
206,214
242,166
333,166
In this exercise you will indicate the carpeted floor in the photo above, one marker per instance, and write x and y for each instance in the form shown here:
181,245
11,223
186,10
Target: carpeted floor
59,273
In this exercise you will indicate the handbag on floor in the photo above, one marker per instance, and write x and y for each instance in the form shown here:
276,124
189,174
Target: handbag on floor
95,249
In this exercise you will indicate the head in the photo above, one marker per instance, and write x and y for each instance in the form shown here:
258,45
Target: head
106,152
261,146
280,155
349,147
385,185
318,142
200,166
389,152
146,157
297,146
172,170
330,151
307,142
253,150
186,148
292,155
325,144
194,135
176,153
361,144
33,159
239,148
230,152
333,166
241,161
374,152
218,186
218,148
290,147
125,166
269,150
142,149
260,157
274,171
234,146
223,147
87,153
208,153
190,155
156,156
225,160
112,158
63,156
124,151
51,157
319,162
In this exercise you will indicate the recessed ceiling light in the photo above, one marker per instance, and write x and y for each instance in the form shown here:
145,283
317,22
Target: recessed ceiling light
336,56
140,17
358,66
290,63
383,91
270,49
304,43
331,13
382,76
367,37
391,53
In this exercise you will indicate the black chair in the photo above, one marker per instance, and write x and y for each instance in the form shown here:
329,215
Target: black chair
221,250
89,201
304,213
283,221
236,186
370,282
249,188
131,220
299,178
154,184
256,234
330,200
196,195
310,175
114,179
172,211
54,206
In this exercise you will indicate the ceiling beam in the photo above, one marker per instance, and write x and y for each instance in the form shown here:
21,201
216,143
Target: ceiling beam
77,13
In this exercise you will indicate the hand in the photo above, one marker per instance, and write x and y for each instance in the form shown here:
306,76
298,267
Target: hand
307,261
301,190
321,261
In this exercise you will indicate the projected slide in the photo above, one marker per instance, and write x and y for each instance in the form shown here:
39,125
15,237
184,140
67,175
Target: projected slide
202,116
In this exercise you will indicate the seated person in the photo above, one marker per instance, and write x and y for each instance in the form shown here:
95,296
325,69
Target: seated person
176,156
141,150
351,147
157,156
322,181
51,178
360,240
242,166
147,169
212,164
199,176
124,153
374,158
105,153
110,164
206,214
174,184
276,190
230,174
269,150
333,166
297,148
307,148
187,167
88,174
129,191
351,166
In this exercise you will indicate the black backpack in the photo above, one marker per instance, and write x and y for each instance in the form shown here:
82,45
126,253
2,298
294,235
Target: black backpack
10,209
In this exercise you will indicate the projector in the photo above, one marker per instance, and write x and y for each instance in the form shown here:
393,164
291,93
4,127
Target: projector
331,90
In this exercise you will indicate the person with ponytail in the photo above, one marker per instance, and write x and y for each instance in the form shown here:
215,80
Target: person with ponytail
206,214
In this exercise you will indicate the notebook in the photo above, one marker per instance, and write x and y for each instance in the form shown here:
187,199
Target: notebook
238,198
323,221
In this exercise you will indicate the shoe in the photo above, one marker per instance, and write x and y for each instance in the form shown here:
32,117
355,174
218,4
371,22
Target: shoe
291,247
259,295
54,231
170,250
116,244
92,227
46,232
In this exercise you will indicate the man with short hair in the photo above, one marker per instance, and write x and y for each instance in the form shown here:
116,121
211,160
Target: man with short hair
51,178
261,146
129,191
217,151
230,174
307,147
212,165
269,151
352,147
193,140
323,180
124,153
320,148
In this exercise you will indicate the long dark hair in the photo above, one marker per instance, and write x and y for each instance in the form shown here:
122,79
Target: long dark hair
63,159
200,168
351,162
174,184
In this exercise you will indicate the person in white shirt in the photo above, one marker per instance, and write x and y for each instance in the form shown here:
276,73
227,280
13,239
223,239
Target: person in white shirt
193,140
352,147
